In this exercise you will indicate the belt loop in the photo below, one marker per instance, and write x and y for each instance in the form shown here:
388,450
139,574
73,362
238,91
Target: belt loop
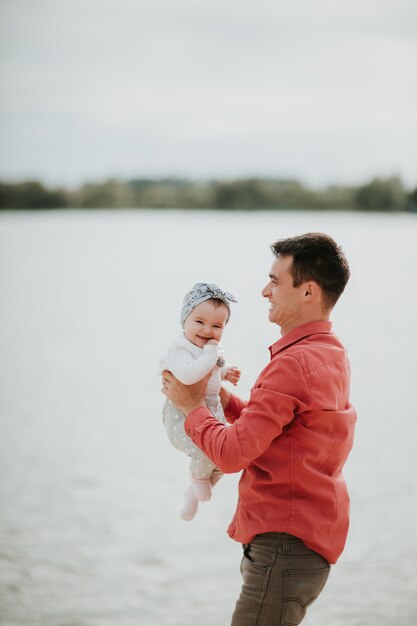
285,543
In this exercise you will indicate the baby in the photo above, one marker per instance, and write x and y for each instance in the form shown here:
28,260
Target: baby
195,353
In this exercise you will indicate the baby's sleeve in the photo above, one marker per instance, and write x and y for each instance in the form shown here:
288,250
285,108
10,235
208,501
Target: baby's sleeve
186,368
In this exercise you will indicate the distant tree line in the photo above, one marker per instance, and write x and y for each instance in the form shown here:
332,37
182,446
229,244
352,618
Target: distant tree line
380,194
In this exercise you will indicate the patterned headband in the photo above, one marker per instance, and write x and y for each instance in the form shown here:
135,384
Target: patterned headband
202,292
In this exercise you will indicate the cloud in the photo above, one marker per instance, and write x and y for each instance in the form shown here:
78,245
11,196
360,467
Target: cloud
156,83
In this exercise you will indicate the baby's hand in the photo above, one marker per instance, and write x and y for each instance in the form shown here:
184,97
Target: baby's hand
211,342
233,375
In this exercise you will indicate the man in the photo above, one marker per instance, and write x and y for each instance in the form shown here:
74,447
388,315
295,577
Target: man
291,439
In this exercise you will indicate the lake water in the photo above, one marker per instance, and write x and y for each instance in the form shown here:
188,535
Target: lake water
91,489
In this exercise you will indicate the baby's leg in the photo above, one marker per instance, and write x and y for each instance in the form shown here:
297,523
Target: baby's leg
201,488
215,476
198,490
201,468
190,505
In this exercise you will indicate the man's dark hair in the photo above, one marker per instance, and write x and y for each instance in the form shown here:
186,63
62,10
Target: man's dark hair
316,257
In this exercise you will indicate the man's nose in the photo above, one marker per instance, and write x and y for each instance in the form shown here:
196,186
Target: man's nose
265,291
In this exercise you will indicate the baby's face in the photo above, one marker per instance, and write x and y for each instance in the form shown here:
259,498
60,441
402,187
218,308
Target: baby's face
205,322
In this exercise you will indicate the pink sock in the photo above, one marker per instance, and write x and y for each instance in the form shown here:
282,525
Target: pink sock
216,474
201,488
190,505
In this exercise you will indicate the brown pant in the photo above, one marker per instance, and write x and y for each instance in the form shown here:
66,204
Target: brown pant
281,578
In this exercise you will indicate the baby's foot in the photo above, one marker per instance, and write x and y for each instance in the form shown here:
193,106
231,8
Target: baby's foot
201,488
215,476
190,505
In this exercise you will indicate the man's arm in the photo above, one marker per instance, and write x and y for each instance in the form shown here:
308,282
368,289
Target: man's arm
272,404
233,448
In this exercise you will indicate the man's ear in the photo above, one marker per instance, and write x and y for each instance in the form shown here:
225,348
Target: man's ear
311,290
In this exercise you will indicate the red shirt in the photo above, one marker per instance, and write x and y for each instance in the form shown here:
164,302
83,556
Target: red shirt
291,439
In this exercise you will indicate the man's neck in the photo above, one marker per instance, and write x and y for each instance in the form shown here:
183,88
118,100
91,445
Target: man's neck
320,317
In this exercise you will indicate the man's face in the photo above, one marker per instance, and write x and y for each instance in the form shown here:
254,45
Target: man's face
286,301
205,322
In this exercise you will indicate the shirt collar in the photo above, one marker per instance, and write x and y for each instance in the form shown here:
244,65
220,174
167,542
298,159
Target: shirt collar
294,335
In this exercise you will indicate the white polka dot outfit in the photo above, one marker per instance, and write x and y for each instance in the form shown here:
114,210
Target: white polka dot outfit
189,363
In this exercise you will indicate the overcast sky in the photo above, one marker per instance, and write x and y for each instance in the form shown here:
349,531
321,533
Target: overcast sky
320,90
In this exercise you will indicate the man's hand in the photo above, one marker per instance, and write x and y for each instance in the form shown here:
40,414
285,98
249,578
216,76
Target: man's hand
233,375
185,397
